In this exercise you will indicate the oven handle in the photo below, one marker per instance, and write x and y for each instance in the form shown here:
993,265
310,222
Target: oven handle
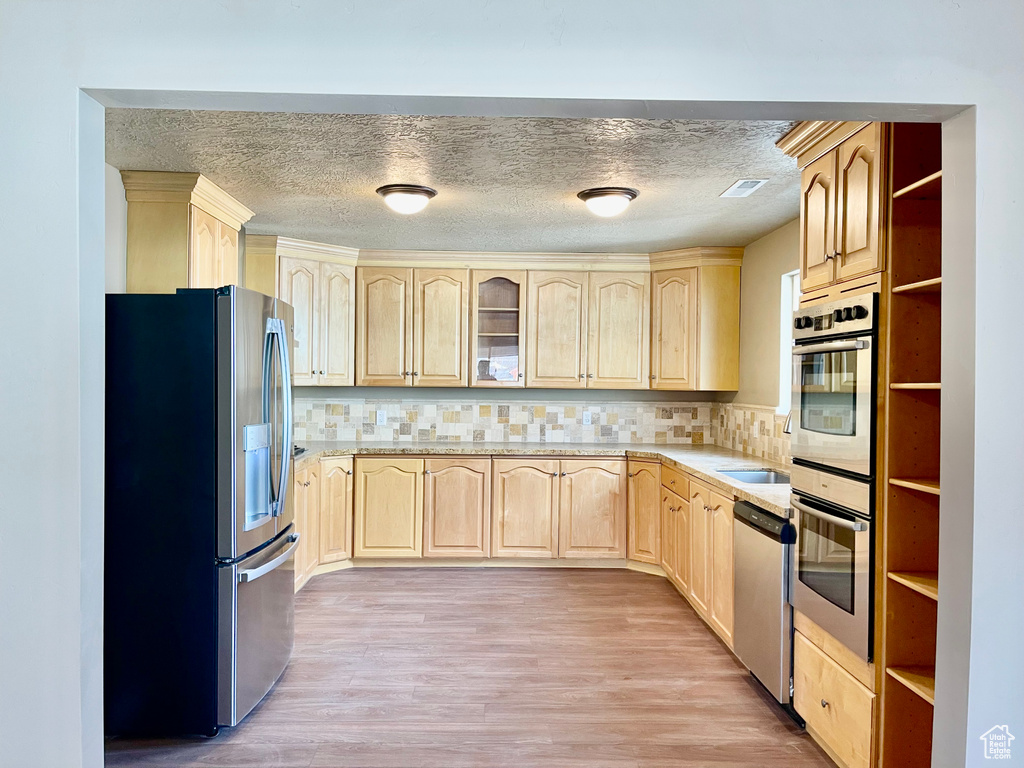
851,525
832,346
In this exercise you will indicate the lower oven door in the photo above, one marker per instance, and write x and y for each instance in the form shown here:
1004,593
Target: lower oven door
832,582
833,404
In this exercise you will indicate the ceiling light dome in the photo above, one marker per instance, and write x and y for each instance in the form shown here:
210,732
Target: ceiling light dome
406,198
608,201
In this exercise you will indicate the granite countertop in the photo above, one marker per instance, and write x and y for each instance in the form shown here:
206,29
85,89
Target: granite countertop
701,461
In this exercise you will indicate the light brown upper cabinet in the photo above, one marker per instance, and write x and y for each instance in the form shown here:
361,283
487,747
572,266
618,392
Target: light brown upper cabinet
841,214
592,508
384,326
412,327
440,327
556,329
695,318
323,297
388,507
644,507
457,507
182,232
336,489
498,333
525,508
619,327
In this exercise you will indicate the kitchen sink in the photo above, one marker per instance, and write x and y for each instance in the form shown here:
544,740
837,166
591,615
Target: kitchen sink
756,476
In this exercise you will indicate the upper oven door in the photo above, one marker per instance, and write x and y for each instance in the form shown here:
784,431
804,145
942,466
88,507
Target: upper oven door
833,404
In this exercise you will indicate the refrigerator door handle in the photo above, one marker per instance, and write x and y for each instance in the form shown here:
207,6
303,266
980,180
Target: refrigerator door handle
276,333
251,574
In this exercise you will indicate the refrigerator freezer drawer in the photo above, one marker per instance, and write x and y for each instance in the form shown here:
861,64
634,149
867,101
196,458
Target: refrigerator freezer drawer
256,628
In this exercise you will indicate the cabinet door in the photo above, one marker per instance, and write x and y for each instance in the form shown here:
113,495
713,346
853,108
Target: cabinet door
858,203
312,519
300,558
524,508
619,330
204,246
383,327
441,328
498,328
674,329
644,525
299,283
227,255
668,534
720,607
681,547
389,507
556,328
335,509
700,548
592,508
337,293
457,508
818,223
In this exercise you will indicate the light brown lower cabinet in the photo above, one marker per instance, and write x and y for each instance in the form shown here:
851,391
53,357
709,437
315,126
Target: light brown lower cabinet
669,558
675,539
645,540
307,523
592,508
388,507
525,508
336,491
700,548
839,710
720,606
457,507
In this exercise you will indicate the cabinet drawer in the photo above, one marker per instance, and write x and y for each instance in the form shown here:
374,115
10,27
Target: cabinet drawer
675,481
838,709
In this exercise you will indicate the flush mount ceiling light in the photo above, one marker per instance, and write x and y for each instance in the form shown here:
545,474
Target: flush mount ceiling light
608,201
406,198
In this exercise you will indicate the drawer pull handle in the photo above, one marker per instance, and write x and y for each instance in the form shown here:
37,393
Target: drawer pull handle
824,703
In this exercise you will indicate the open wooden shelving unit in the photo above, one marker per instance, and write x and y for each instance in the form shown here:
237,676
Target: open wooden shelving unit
908,549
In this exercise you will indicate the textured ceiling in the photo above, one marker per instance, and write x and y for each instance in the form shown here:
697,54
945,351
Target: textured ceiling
504,184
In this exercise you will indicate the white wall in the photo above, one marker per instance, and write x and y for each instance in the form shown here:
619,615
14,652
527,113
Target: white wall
765,261
740,59
116,224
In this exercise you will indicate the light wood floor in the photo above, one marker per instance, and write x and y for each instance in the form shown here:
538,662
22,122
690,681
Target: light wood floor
446,668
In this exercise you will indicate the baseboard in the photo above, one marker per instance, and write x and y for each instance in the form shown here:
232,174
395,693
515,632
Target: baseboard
490,562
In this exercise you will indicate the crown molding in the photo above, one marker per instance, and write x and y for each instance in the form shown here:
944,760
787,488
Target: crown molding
813,138
192,188
696,257
300,249
605,262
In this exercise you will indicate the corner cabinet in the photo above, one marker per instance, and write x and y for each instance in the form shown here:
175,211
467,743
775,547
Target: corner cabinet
645,541
182,232
336,499
388,507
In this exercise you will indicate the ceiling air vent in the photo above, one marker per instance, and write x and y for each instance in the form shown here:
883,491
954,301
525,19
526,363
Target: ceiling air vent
744,187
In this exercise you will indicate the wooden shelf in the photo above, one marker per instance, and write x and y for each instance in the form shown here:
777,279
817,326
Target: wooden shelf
926,584
924,286
921,680
497,309
928,188
916,385
498,334
916,484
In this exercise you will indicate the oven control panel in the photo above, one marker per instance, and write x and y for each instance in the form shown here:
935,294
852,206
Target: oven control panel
853,314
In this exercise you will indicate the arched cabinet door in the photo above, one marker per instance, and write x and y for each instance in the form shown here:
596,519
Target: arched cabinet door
388,507
556,328
441,328
644,506
525,508
859,188
384,326
674,329
619,330
337,291
335,509
457,507
818,223
298,286
592,508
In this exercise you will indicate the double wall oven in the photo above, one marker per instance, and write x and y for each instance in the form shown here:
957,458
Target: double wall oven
833,447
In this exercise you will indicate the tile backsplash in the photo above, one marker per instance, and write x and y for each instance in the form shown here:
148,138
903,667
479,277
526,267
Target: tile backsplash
754,430
410,420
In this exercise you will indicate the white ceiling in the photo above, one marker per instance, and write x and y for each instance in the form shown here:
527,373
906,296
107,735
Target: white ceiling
504,183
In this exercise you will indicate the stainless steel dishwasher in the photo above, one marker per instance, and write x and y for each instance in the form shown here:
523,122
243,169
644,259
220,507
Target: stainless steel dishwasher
763,623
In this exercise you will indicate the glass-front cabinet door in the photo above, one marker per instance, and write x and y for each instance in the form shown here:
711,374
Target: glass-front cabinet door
499,317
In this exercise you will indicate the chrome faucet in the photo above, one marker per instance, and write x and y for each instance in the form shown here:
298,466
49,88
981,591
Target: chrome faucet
788,429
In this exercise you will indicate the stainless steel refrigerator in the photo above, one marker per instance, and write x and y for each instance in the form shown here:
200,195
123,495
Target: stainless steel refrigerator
199,582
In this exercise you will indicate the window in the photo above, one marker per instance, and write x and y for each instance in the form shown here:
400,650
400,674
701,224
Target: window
789,304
